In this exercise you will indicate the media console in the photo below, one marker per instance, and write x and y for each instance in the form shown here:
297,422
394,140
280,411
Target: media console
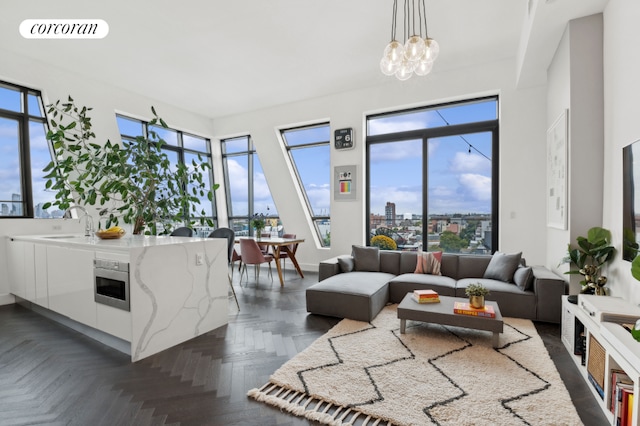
606,354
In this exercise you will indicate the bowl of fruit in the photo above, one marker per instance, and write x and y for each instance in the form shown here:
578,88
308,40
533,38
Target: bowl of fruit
112,233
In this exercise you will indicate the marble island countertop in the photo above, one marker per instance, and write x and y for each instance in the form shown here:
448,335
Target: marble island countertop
124,244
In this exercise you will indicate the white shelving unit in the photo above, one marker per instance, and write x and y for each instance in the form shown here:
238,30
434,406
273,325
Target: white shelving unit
622,351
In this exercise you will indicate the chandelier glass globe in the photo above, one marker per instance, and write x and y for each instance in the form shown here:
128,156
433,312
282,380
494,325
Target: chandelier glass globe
414,48
432,49
405,70
423,67
387,67
394,52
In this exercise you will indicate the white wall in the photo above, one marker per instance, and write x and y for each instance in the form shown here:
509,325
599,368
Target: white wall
105,100
575,83
522,153
622,126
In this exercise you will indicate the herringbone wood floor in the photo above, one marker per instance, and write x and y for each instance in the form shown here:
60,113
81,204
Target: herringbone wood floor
52,375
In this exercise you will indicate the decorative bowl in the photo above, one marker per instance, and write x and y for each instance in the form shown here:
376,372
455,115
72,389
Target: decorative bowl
103,235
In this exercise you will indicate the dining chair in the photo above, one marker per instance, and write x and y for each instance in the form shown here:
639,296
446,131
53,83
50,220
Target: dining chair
230,235
293,247
182,231
252,255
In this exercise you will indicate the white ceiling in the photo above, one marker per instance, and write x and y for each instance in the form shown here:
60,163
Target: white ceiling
218,58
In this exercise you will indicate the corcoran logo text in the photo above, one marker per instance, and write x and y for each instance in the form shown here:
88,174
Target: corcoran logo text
64,28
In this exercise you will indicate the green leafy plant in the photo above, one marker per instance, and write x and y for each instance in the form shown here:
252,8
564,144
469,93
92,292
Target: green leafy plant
592,253
476,289
384,243
258,222
135,182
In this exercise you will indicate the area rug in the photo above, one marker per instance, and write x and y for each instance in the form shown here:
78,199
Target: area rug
362,373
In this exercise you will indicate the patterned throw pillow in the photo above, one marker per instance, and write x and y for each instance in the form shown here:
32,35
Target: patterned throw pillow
429,262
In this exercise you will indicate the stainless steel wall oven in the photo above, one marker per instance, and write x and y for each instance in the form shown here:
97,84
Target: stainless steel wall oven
111,283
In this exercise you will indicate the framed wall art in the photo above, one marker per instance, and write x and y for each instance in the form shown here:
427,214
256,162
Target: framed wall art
557,167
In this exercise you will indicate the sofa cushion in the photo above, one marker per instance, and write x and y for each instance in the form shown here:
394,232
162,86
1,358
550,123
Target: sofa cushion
406,283
346,263
472,266
366,259
390,261
502,266
357,295
428,262
523,277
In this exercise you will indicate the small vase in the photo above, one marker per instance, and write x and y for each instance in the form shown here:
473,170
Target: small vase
476,302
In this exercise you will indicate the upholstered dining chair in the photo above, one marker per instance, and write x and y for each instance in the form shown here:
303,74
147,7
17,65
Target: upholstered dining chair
293,247
182,231
230,235
252,255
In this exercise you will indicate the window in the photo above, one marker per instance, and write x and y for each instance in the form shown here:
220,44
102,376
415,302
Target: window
247,190
181,148
432,177
310,153
24,152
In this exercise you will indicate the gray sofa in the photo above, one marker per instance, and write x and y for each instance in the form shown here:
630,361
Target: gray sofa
360,294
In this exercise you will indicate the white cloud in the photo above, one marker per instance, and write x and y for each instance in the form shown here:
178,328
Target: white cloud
476,187
396,151
464,162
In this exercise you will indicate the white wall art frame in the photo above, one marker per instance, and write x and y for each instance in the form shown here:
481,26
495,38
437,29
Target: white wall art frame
557,170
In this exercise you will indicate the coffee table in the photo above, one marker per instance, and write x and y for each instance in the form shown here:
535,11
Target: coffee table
442,313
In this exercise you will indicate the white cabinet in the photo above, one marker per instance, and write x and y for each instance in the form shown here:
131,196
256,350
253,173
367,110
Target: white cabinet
609,348
41,281
21,269
70,283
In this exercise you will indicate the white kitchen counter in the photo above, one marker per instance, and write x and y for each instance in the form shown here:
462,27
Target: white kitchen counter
123,244
178,285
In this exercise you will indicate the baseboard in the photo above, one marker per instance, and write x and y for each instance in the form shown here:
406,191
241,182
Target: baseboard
7,299
102,337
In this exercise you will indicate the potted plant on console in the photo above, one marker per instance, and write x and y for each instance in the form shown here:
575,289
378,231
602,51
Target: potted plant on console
592,253
476,293
134,182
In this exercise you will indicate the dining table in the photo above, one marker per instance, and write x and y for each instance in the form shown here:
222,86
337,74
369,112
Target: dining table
279,245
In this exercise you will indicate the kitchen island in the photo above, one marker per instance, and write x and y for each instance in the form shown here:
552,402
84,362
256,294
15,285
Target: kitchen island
177,286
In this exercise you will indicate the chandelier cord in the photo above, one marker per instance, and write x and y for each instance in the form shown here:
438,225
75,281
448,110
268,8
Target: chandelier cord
393,22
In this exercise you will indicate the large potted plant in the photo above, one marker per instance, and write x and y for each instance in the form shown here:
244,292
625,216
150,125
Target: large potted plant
592,253
134,182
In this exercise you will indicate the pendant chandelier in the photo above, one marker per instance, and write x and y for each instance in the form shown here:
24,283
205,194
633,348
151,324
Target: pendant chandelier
417,53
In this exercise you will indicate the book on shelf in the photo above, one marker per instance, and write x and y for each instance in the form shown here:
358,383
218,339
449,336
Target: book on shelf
465,308
618,377
425,299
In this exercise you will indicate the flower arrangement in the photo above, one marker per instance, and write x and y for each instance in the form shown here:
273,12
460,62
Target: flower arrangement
384,243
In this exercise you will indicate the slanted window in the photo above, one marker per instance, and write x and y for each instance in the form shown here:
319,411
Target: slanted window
181,148
247,191
432,176
24,153
310,153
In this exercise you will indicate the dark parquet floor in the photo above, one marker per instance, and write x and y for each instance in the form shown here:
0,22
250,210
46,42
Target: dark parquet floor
52,375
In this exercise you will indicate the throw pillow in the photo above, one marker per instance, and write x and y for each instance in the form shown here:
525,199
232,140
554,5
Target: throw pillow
523,277
345,263
429,262
366,259
502,266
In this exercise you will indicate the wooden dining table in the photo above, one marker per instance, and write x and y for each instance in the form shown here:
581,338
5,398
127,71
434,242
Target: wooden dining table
278,245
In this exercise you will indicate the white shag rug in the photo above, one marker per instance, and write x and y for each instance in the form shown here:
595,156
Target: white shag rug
362,373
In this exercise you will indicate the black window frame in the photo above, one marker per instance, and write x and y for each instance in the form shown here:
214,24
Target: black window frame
492,126
24,118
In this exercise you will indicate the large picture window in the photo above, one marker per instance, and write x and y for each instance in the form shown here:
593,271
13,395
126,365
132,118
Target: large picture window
432,177
24,153
247,191
310,153
181,148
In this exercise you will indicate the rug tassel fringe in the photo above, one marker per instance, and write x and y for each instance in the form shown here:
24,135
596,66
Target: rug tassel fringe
323,417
